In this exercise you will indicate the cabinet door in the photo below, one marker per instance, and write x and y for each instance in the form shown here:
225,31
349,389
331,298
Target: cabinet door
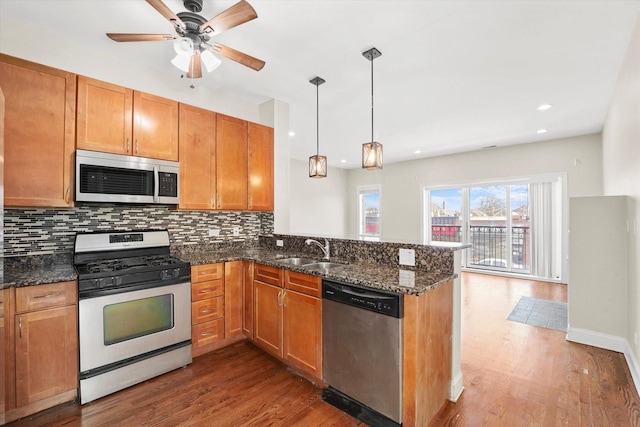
104,117
46,354
155,126
39,134
233,298
247,298
231,163
303,332
260,143
197,158
268,317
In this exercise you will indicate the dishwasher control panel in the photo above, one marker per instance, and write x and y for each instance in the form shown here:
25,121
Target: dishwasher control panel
383,302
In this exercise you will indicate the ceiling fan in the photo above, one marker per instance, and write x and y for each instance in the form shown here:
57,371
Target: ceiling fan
193,34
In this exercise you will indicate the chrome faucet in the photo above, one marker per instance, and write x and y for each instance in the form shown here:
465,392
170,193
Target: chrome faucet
325,248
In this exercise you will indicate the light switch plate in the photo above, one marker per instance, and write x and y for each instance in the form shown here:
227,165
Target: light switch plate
407,257
279,243
236,231
213,232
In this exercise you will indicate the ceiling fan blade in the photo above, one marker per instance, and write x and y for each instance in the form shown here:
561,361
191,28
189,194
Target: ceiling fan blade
237,14
122,37
166,12
195,67
239,57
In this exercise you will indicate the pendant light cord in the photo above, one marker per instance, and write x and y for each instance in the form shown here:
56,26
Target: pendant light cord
372,98
317,120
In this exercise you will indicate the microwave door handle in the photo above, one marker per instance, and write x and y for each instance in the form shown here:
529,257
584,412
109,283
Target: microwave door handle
156,184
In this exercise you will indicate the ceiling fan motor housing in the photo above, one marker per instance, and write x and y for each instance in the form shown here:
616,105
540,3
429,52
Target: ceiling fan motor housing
193,5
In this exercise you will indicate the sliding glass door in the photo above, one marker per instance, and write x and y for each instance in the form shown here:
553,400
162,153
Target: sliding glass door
512,227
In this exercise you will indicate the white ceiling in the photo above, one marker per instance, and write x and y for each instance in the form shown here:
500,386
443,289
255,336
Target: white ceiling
454,76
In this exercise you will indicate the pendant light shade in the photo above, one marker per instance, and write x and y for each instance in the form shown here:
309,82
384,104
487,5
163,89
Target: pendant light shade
317,163
372,151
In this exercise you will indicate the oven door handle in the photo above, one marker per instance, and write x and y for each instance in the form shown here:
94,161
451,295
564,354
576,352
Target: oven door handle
156,184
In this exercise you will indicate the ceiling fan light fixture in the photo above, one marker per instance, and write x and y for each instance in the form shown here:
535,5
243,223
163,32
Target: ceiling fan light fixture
183,46
317,163
372,151
182,62
210,61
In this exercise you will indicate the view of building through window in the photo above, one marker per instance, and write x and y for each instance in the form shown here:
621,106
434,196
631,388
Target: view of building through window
369,212
493,219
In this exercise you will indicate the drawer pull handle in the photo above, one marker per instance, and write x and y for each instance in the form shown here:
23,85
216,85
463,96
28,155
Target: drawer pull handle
20,327
203,273
55,294
205,311
205,334
206,290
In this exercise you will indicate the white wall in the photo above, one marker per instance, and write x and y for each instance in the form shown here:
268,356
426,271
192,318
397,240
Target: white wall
318,206
580,157
621,168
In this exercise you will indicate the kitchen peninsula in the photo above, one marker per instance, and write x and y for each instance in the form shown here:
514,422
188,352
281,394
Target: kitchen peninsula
428,289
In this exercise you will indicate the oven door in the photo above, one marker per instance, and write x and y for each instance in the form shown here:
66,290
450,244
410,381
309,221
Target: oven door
121,326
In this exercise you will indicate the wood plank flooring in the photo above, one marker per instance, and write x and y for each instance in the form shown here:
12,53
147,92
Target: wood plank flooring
522,375
514,375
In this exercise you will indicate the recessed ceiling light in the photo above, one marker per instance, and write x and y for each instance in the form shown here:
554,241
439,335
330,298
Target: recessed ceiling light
417,152
544,107
343,161
542,131
488,147
292,133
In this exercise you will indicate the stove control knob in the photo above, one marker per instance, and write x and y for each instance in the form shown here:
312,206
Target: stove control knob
164,274
176,272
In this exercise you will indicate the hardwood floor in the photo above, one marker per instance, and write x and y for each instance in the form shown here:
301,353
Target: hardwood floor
522,375
514,375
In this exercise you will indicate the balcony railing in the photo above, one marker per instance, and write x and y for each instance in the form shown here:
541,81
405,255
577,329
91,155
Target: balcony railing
489,244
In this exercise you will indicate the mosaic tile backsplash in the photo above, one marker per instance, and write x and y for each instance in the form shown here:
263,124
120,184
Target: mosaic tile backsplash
47,231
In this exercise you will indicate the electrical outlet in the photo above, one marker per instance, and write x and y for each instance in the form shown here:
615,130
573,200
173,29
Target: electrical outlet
279,243
213,232
407,257
236,231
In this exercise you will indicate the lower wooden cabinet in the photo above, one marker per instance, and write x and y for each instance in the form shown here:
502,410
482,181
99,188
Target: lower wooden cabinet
216,305
288,322
42,348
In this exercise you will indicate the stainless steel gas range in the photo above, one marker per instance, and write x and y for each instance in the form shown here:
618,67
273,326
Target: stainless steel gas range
134,309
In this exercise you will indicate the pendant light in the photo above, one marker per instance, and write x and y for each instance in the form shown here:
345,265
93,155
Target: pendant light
372,151
317,163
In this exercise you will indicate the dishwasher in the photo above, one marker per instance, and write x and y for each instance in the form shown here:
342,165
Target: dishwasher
362,352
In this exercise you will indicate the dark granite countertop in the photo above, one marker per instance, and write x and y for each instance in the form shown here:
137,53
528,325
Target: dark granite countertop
38,270
402,280
42,269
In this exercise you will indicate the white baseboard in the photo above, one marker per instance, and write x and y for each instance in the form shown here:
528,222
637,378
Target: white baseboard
456,388
608,342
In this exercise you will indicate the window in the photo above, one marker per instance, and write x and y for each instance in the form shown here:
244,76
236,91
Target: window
369,212
512,226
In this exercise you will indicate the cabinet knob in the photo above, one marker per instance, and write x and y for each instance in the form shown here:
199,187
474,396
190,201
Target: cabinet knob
127,145
67,195
136,145
20,327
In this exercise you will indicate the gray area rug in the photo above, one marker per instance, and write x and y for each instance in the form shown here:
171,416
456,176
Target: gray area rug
541,312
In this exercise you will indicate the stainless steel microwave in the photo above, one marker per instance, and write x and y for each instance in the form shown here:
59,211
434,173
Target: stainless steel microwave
116,178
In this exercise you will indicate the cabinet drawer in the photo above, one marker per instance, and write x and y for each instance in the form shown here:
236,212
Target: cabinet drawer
45,296
304,283
203,273
206,333
208,309
266,274
204,290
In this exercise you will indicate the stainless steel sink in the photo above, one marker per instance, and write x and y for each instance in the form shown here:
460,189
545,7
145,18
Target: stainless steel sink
297,261
323,265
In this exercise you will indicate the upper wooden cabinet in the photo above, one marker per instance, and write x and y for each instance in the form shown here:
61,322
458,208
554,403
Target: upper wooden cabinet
197,158
231,163
104,116
115,119
39,133
260,141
